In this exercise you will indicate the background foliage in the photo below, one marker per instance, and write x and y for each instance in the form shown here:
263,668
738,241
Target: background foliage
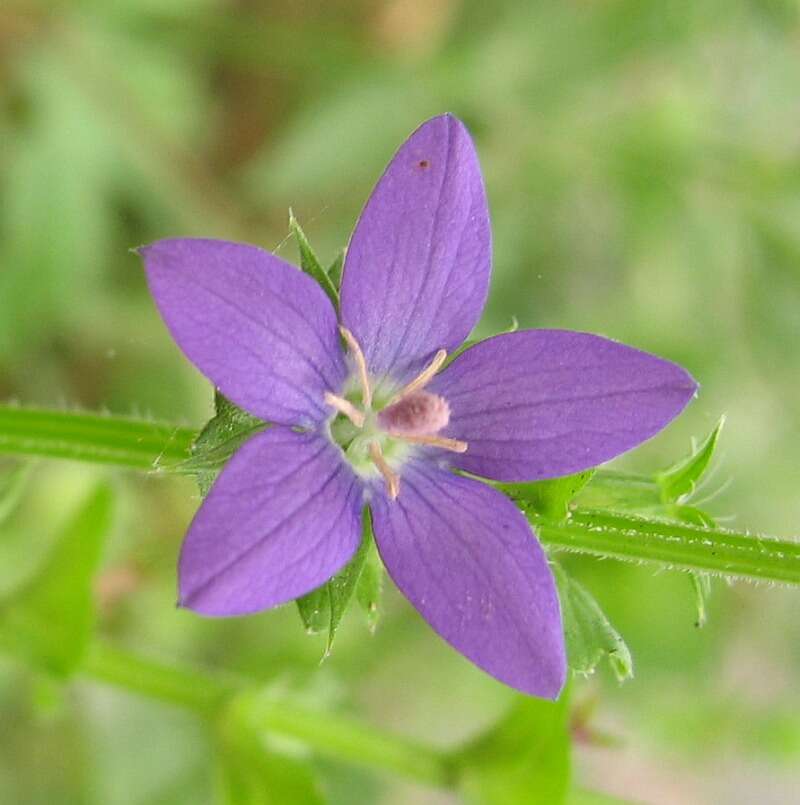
643,168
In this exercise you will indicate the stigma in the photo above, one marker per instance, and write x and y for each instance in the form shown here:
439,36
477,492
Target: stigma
418,414
411,415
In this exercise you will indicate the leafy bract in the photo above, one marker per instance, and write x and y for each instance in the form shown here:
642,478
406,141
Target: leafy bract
701,584
323,609
551,497
370,586
221,437
589,634
335,268
681,478
310,263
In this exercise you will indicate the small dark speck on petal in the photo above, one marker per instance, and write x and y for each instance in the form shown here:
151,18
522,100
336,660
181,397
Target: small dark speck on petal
423,163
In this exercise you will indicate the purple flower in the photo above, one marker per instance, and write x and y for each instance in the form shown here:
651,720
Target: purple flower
375,422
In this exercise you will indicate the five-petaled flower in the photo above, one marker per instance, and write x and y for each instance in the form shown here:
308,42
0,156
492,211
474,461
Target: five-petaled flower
361,414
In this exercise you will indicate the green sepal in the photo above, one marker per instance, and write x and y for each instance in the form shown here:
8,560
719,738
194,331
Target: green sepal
222,436
50,620
323,609
369,588
335,269
314,608
681,478
589,634
512,328
551,497
524,758
310,263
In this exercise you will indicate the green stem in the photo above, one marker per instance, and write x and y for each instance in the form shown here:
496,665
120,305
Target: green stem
202,692
124,441
347,739
673,545
208,694
139,444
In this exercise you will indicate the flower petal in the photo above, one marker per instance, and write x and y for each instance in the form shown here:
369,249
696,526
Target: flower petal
257,327
544,403
467,560
282,518
417,268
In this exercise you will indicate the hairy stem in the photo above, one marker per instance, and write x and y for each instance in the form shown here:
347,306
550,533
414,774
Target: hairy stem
209,694
124,441
673,545
143,445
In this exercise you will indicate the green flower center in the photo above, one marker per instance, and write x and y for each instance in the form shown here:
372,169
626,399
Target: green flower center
378,431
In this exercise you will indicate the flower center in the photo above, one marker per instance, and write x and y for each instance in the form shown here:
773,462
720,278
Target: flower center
377,434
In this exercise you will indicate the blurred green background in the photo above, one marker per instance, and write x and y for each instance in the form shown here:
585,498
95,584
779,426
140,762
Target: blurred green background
642,161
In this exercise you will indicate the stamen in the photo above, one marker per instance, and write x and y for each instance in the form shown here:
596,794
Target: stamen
389,475
361,364
423,378
454,445
345,407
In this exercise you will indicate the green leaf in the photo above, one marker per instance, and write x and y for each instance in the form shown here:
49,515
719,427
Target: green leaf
310,263
50,620
12,484
221,437
323,609
551,497
335,268
681,478
251,772
589,634
522,760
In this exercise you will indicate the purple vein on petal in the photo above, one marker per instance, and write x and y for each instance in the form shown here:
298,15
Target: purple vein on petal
258,328
282,518
417,268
